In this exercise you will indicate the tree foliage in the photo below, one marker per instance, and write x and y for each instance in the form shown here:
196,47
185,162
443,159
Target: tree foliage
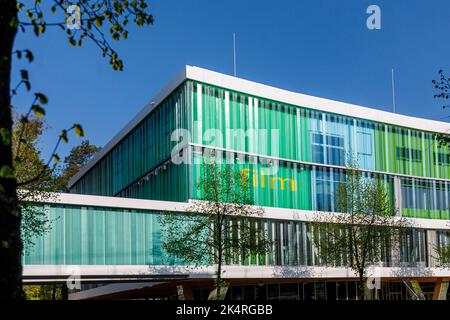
29,164
45,292
365,233
100,21
443,256
78,157
220,228
442,85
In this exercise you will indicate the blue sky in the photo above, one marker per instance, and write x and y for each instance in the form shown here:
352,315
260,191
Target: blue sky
317,47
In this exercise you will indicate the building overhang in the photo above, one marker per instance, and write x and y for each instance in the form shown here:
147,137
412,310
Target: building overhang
172,206
127,273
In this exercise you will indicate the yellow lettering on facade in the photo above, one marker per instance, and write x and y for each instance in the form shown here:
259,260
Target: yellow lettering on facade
282,182
261,180
246,172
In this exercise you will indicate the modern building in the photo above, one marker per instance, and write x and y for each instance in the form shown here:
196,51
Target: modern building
293,146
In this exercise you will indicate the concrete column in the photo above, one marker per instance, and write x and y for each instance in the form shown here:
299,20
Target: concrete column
395,252
398,195
185,292
431,248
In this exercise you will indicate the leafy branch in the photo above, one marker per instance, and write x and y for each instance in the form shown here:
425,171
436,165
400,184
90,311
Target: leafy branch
95,16
443,86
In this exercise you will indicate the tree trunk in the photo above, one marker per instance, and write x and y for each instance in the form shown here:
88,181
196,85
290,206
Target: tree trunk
218,280
10,217
54,291
219,265
361,286
64,292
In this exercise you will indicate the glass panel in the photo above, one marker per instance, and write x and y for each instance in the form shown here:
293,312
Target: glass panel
273,292
289,291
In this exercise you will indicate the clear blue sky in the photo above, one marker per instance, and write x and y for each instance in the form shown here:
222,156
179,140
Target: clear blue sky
317,47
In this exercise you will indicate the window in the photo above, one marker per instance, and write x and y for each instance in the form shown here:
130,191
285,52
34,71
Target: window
328,148
442,159
327,184
273,292
289,291
403,154
365,147
425,195
412,248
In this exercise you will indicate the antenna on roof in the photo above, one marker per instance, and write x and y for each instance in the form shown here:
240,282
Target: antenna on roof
393,90
234,54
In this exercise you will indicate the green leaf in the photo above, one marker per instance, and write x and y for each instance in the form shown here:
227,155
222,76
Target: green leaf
41,97
42,28
79,132
29,55
6,172
24,74
5,136
72,41
63,136
17,162
56,158
38,110
98,22
23,120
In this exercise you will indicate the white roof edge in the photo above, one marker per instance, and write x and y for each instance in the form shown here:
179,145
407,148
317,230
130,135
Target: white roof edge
272,93
314,103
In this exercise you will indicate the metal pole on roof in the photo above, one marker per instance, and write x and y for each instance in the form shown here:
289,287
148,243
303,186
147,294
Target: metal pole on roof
393,90
234,54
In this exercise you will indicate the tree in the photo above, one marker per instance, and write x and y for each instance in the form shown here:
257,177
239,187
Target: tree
52,291
221,227
365,232
443,256
442,85
97,21
78,157
29,165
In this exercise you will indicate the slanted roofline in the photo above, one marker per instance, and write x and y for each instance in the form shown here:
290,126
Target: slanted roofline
267,92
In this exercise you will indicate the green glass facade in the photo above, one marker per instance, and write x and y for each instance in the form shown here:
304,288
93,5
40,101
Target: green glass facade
98,236
93,235
310,145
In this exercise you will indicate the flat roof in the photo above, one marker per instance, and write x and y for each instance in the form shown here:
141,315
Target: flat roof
267,92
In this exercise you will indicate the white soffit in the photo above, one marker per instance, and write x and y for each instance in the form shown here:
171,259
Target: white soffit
172,206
